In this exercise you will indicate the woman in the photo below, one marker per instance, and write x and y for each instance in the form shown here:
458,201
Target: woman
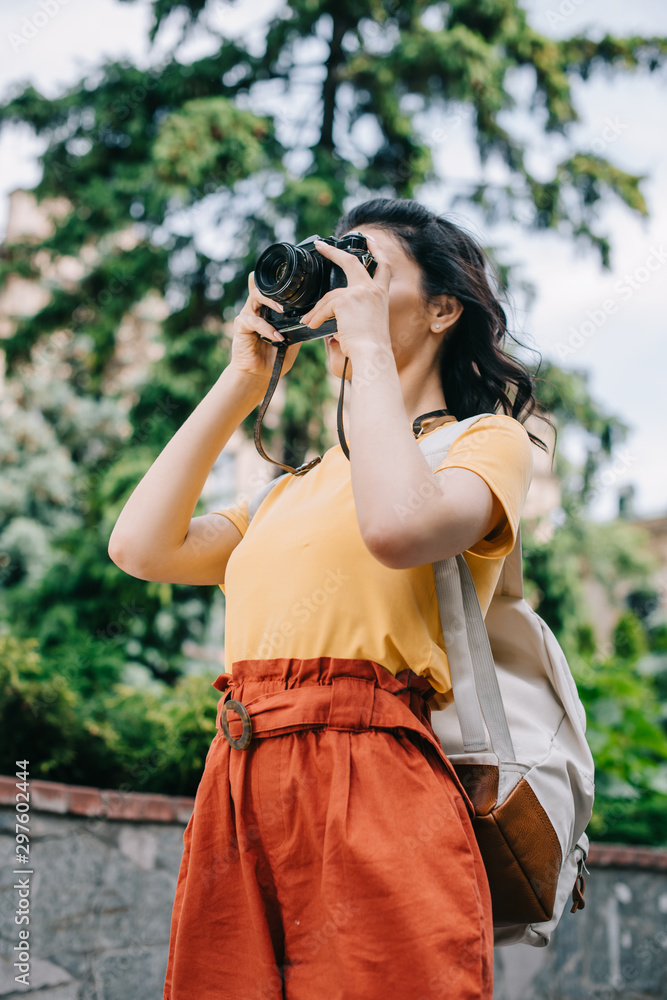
333,856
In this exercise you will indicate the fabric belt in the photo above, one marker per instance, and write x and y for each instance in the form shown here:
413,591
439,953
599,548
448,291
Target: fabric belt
347,703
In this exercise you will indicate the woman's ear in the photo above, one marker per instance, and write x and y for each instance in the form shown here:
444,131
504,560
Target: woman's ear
445,313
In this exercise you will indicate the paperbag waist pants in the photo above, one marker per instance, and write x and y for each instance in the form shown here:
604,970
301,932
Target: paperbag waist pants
333,858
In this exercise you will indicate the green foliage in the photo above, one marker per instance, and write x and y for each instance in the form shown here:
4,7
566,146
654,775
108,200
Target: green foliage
581,550
566,397
626,723
207,135
34,713
139,161
146,738
626,728
91,619
51,436
627,736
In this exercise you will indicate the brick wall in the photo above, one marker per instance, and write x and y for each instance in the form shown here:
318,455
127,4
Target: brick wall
105,865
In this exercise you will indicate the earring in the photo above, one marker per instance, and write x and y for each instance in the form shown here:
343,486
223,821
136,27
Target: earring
437,326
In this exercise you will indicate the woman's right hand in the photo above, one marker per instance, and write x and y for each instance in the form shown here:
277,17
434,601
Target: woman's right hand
251,356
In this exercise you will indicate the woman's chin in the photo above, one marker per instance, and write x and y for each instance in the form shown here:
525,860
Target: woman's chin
336,361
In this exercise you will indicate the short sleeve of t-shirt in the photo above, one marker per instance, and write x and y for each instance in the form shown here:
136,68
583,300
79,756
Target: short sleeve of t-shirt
498,449
237,514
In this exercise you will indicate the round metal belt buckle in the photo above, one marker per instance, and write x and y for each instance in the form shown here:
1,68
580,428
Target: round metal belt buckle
246,735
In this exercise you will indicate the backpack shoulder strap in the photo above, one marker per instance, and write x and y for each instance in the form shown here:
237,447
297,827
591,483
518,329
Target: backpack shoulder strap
261,494
510,583
476,690
435,448
437,444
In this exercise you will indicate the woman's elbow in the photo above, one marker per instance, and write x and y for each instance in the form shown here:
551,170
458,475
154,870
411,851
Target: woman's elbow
126,556
386,548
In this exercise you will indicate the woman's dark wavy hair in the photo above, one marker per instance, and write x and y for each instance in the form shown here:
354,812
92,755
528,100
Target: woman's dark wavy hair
475,371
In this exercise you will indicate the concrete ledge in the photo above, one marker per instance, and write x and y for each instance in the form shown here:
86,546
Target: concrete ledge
77,800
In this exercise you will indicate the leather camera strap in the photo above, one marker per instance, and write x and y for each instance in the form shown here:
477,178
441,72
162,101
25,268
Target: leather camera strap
275,375
339,413
417,427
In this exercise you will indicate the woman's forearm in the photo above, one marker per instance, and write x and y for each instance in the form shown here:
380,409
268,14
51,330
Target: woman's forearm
388,468
158,513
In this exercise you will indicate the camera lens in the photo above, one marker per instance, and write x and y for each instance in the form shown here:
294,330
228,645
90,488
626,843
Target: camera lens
289,274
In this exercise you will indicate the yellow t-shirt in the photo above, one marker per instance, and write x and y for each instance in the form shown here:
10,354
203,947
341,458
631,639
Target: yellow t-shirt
301,582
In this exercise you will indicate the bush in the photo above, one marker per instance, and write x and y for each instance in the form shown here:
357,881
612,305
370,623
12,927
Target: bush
626,734
148,739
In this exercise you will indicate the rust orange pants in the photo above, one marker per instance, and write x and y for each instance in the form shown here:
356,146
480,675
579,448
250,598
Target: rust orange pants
334,857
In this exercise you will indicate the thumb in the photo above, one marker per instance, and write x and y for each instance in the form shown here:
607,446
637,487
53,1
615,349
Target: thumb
382,274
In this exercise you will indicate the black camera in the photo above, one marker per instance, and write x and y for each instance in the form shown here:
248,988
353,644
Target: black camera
297,276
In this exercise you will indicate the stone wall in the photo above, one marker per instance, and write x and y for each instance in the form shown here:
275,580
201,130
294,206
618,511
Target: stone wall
105,867
104,870
613,949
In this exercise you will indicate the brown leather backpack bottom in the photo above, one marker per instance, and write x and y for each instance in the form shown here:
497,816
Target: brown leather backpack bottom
521,851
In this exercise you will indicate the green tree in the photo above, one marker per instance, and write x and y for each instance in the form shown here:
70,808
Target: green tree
611,552
622,685
143,159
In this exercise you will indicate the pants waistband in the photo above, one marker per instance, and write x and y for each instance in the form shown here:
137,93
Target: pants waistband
288,695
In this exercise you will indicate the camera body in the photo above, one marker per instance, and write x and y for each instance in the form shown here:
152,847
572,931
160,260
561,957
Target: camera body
297,276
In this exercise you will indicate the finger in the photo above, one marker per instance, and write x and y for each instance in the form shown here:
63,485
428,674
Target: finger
321,312
382,275
322,304
257,298
352,267
255,324
318,317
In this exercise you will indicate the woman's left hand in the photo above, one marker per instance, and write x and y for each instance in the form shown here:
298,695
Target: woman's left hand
361,308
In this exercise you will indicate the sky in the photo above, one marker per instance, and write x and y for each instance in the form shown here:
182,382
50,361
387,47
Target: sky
607,323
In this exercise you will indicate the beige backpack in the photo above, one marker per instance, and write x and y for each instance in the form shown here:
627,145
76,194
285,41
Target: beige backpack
515,734
516,737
